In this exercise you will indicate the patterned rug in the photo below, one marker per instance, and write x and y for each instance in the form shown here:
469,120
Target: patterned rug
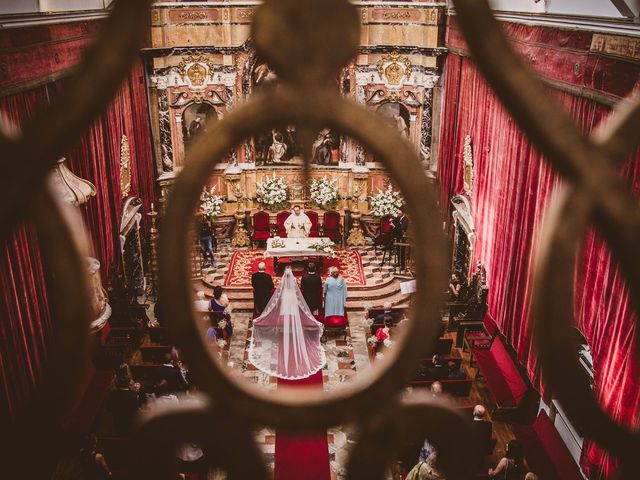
245,262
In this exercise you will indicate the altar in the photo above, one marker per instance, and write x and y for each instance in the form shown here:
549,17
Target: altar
296,248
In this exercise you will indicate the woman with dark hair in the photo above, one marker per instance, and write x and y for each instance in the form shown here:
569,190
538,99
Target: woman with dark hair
93,464
220,303
511,466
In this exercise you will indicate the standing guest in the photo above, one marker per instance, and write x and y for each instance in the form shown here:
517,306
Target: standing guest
387,316
92,462
262,284
220,304
483,428
201,303
205,233
511,466
311,286
172,374
335,294
454,287
400,224
123,403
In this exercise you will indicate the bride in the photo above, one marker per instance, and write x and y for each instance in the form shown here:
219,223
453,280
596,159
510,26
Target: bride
286,338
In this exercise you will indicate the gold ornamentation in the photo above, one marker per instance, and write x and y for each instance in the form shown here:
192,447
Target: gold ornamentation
467,157
196,68
125,167
390,66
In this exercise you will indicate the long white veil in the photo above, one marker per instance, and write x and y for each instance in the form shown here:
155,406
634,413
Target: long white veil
286,338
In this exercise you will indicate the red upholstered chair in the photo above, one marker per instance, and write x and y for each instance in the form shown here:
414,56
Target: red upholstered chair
334,324
280,219
384,238
331,226
313,216
261,227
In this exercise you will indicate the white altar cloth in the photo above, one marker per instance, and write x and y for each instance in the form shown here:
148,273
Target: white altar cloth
295,247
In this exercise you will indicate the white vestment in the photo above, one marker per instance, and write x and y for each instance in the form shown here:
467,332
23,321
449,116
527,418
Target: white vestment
297,226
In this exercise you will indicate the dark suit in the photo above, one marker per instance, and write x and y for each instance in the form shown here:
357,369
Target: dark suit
483,432
174,378
393,316
262,284
123,405
311,286
438,372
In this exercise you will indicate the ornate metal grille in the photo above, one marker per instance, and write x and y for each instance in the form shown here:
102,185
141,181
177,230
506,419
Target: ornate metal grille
307,41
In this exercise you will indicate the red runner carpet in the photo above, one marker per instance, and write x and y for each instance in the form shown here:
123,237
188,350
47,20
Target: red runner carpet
245,262
302,457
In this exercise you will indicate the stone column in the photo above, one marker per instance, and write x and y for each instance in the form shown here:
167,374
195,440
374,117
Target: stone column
233,175
360,176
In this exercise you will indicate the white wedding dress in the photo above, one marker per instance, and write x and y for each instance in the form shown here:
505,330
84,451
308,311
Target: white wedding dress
286,338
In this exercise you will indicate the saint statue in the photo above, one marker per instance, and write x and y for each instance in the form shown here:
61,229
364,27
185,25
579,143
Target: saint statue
297,224
278,148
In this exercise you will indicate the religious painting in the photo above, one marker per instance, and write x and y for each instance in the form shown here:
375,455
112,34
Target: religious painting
324,150
396,115
195,119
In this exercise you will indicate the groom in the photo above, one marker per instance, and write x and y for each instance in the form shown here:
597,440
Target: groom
297,224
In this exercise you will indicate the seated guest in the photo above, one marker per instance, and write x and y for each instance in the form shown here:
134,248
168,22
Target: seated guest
454,288
172,374
262,284
436,389
92,462
163,397
201,304
311,286
438,371
483,428
511,466
123,403
454,372
387,316
220,303
531,476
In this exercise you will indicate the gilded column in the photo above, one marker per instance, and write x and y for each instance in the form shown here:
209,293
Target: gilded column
360,176
233,176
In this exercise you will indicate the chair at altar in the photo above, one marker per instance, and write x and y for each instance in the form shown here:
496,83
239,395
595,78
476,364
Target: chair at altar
281,217
313,216
261,227
384,238
333,324
331,226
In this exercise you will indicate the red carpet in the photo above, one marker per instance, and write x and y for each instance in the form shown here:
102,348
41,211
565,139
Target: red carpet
302,457
245,262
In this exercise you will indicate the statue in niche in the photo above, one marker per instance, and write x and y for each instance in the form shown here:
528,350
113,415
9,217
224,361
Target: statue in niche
397,115
278,148
322,148
194,121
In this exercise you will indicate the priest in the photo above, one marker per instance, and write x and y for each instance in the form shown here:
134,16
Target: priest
297,224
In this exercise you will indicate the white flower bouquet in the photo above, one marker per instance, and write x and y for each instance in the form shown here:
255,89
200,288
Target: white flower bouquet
325,246
212,204
228,310
386,202
273,193
387,342
372,340
324,193
222,324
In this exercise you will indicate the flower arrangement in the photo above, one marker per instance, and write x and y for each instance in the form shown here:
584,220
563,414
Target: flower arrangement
222,324
386,202
221,343
324,193
273,193
212,204
325,246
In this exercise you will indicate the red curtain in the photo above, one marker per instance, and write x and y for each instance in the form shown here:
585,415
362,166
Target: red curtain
24,312
513,187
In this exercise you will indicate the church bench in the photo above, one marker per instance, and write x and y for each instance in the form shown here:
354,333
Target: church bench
374,312
154,353
502,375
376,326
459,387
146,372
428,361
544,450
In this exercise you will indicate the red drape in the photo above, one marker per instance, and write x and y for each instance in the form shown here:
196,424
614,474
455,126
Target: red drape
24,307
24,313
513,187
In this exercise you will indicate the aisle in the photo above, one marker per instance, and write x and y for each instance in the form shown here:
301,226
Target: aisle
302,457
